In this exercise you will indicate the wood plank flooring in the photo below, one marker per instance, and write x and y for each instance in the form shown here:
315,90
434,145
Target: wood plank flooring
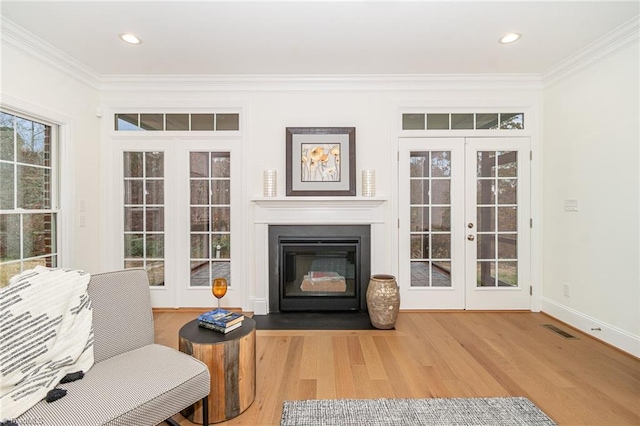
440,354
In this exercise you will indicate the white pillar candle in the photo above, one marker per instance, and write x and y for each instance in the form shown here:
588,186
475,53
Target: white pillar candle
368,183
269,183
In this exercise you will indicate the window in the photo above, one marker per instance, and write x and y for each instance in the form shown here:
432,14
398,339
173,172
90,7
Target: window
468,121
144,213
28,207
218,122
430,233
176,215
210,216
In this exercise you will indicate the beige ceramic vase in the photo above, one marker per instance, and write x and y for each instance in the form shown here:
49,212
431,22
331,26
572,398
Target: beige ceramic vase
383,301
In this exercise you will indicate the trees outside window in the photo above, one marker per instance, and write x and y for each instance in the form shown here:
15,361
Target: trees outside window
28,210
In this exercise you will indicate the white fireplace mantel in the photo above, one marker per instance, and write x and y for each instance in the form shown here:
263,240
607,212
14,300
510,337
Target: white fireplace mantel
319,210
311,211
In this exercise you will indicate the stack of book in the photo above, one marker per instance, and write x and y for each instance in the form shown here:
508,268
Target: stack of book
221,320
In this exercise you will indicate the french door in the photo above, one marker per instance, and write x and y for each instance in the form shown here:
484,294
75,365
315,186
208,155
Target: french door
464,230
181,223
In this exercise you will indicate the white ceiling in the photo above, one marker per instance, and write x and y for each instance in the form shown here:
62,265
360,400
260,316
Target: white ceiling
313,37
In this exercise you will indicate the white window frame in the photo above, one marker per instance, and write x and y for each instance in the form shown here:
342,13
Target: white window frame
62,169
115,142
527,103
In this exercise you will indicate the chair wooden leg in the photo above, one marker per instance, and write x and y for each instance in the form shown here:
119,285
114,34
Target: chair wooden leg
205,411
172,422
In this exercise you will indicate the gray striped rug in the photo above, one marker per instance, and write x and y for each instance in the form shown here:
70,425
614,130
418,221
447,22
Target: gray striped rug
394,412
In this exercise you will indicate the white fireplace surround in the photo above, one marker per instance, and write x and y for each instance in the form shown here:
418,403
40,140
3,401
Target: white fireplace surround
311,211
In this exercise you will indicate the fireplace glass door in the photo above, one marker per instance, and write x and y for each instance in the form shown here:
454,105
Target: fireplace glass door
319,267
319,275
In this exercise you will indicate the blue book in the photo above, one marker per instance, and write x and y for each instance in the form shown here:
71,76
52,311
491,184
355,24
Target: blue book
221,318
223,330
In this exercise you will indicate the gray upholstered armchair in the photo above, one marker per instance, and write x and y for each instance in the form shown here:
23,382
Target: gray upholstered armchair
133,381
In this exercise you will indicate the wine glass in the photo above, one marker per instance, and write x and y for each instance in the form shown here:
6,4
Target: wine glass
219,288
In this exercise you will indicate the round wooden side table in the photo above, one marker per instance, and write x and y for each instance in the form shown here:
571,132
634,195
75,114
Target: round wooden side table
231,359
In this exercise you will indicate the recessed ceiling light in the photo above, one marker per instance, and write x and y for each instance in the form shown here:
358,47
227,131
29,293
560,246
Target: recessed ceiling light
509,38
130,38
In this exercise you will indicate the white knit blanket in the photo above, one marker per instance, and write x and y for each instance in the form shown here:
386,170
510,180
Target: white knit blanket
46,332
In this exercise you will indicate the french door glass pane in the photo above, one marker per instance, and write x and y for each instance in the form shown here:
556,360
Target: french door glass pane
441,218
441,274
497,237
154,164
486,274
144,213
154,191
155,218
155,272
133,164
199,192
430,221
419,218
133,191
221,192
210,217
200,219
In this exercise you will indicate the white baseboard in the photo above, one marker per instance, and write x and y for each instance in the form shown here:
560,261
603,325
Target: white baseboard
260,307
614,336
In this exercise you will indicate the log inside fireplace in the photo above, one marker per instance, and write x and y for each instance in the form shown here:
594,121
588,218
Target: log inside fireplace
319,267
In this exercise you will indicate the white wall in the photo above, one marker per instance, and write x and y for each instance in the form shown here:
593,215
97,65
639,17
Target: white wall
271,113
374,112
35,87
591,153
591,140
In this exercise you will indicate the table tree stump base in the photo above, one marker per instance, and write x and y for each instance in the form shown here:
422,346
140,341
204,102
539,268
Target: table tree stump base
232,366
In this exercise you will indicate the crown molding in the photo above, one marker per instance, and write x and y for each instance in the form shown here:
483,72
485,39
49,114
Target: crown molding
368,82
21,39
607,45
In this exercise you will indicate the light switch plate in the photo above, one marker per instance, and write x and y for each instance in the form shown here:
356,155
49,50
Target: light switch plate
571,205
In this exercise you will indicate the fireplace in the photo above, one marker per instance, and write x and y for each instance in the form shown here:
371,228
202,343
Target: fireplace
319,267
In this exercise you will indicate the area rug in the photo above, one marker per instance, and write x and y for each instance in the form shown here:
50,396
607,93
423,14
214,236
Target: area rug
314,321
394,412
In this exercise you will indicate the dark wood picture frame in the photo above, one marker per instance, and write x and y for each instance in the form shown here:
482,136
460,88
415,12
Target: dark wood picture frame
329,144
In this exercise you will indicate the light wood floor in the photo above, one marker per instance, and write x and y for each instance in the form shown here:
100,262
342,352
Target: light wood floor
447,355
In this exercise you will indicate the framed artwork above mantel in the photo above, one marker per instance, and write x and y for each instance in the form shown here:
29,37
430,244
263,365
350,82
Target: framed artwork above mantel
321,161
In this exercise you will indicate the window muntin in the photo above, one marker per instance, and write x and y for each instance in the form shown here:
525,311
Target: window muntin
430,208
144,232
497,201
210,217
158,122
465,121
28,215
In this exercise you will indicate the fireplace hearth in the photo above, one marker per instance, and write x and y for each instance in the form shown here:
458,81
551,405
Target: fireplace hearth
319,267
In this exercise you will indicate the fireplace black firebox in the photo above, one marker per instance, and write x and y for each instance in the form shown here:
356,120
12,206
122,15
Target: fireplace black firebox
319,267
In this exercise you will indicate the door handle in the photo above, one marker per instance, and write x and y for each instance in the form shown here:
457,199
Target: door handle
470,237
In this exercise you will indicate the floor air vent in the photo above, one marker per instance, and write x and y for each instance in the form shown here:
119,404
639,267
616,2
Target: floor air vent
559,331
